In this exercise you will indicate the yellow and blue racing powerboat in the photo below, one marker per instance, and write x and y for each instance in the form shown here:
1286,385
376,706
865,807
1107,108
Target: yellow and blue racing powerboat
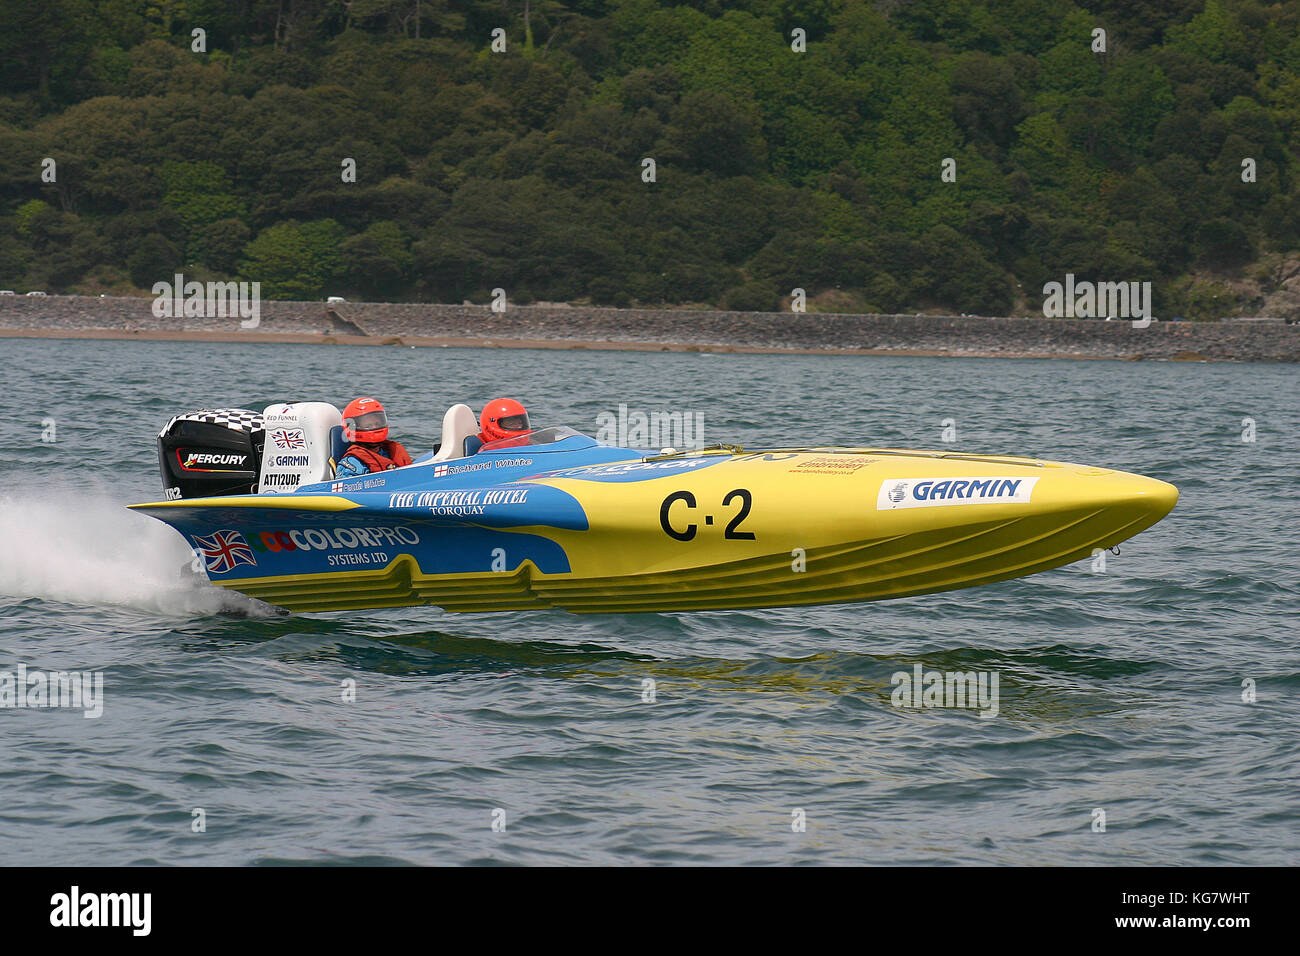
555,519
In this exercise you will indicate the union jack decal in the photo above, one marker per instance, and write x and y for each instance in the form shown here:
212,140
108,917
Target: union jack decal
284,438
223,550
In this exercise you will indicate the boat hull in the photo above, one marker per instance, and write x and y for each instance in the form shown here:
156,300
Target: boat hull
676,533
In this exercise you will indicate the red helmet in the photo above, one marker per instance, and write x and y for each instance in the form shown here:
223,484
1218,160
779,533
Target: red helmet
503,418
364,421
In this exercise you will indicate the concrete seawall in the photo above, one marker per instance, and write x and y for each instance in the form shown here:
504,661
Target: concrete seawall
577,327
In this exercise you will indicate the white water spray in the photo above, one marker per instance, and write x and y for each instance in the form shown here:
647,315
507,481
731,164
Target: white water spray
87,549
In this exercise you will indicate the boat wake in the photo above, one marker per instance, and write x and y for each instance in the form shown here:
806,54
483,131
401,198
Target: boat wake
80,548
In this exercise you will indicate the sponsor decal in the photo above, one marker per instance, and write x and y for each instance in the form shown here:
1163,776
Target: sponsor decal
831,465
486,464
285,416
459,504
288,438
344,486
333,539
634,470
273,481
934,492
359,557
210,461
440,471
224,550
289,461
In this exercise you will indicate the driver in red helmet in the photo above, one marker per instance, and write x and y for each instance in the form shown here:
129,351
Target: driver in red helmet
503,418
365,427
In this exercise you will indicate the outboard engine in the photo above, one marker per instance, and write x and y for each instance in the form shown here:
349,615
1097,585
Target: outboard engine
214,451
234,451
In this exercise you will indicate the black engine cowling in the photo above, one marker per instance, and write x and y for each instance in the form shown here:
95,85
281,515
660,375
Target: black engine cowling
211,452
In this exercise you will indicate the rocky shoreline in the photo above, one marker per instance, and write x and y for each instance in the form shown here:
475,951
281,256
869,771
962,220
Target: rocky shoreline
562,326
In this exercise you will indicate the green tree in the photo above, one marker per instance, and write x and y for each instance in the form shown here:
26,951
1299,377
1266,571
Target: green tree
986,101
378,261
199,192
294,260
222,244
44,46
715,134
155,259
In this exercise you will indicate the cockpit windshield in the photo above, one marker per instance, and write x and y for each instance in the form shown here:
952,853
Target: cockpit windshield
539,436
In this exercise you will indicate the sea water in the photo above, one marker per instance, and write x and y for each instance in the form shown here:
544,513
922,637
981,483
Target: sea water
1147,702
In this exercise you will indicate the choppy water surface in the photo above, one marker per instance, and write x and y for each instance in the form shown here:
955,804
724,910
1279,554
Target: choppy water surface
1120,691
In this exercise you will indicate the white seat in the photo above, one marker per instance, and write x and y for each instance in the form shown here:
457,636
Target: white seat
458,424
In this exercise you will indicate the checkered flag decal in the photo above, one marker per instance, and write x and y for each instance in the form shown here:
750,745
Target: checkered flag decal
235,418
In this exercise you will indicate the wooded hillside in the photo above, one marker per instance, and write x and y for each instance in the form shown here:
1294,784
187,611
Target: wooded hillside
1170,157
